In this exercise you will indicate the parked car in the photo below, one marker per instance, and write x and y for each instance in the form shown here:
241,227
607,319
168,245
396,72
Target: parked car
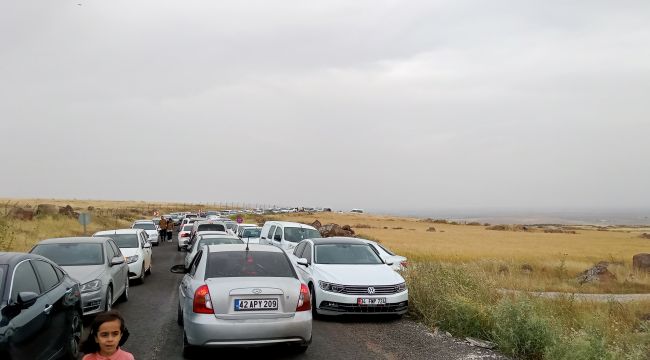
250,234
234,295
209,238
286,235
96,262
399,262
150,228
40,309
135,247
206,225
184,235
345,275
190,221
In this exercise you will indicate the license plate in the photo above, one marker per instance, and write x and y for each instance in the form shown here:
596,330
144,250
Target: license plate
371,301
257,304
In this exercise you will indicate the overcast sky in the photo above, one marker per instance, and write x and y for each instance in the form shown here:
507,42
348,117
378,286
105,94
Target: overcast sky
385,105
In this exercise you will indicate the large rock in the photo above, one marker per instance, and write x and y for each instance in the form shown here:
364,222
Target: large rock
20,214
316,224
641,262
330,230
598,273
68,211
46,209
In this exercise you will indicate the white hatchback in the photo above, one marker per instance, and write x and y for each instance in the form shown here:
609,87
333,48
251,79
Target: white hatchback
135,247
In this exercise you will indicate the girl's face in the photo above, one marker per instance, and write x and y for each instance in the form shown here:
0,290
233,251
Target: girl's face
108,337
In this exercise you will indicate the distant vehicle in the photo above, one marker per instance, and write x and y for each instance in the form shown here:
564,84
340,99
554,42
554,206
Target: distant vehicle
249,234
398,262
136,248
96,262
190,221
40,309
206,225
358,211
231,296
184,235
345,275
286,235
150,228
209,238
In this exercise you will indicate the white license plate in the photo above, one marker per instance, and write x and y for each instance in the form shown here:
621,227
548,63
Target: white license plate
371,301
256,304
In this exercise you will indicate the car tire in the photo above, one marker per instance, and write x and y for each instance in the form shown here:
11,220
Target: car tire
142,274
188,350
179,248
312,298
74,339
149,269
125,295
179,315
109,299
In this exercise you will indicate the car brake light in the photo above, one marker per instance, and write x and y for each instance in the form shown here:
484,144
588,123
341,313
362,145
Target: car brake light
404,263
202,301
304,301
185,234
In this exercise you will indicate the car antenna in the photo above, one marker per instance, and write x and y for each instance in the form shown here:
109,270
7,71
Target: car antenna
247,241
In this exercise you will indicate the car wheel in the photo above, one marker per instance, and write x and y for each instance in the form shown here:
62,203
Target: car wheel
188,350
109,299
179,248
179,315
149,269
76,328
312,297
125,295
142,274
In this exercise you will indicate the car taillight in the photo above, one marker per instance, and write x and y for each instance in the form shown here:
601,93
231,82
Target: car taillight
404,263
202,301
185,234
304,301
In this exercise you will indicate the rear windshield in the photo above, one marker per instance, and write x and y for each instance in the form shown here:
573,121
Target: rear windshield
351,254
187,228
72,254
386,250
211,227
218,241
248,264
144,226
295,234
254,233
124,240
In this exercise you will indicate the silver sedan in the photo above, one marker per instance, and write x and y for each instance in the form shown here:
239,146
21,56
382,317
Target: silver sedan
234,295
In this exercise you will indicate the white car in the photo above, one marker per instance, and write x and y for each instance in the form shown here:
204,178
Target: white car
345,275
286,235
203,238
249,233
150,228
135,247
399,262
184,235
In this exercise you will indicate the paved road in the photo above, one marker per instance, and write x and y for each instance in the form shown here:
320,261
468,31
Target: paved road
151,318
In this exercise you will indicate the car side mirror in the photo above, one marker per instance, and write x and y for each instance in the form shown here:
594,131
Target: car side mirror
26,299
302,261
277,238
389,263
118,260
178,269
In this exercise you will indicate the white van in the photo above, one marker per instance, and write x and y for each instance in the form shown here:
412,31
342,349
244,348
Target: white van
286,235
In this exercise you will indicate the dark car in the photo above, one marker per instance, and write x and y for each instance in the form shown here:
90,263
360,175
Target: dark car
40,308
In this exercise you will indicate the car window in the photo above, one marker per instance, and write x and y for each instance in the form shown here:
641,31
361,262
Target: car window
251,232
195,263
187,228
124,240
46,273
278,231
211,227
110,253
144,226
72,254
385,249
270,234
307,253
298,234
59,273
217,241
298,250
24,280
248,263
353,254
116,249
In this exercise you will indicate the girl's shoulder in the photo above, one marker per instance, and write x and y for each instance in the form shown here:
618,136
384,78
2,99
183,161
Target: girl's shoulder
91,356
124,355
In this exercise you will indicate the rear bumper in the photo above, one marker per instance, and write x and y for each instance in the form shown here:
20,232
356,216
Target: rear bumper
209,331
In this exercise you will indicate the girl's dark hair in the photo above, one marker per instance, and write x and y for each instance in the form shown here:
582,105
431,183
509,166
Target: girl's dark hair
90,346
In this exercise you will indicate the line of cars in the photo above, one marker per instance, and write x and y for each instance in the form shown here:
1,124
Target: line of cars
45,294
238,292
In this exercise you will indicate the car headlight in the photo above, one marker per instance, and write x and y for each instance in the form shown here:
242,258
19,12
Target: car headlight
131,259
91,286
330,287
401,287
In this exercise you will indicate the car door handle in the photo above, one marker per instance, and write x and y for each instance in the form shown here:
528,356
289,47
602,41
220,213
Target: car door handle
48,309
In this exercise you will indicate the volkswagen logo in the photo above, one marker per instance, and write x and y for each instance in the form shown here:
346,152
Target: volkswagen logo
371,290
257,291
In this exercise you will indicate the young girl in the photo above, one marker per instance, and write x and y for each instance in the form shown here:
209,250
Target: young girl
107,334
